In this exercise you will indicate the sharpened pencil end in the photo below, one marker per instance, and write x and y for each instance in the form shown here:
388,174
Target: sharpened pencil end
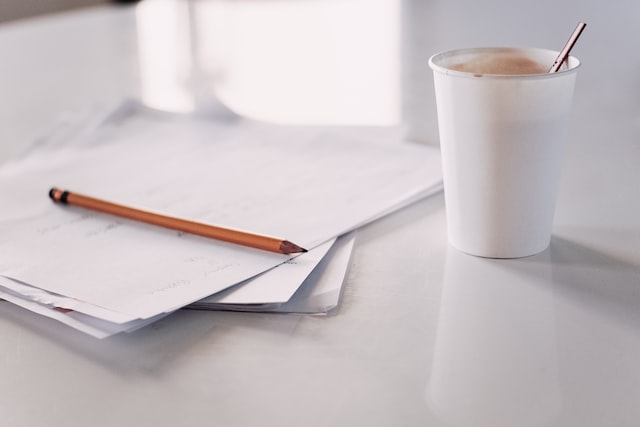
287,247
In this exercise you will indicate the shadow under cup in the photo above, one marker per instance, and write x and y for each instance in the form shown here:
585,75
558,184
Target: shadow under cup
502,138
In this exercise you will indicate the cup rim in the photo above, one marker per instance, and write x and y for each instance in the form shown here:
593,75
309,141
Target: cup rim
572,61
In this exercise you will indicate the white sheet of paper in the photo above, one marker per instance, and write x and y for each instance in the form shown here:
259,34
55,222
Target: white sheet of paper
270,289
322,290
319,293
93,326
291,182
274,286
48,299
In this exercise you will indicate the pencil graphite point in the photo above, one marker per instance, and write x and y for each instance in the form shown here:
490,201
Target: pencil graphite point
290,248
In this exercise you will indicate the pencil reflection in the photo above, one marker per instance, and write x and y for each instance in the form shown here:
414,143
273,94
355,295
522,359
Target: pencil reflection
495,360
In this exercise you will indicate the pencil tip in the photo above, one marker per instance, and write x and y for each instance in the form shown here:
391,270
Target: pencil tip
287,247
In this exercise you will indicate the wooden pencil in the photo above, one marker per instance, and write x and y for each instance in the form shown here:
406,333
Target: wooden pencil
207,230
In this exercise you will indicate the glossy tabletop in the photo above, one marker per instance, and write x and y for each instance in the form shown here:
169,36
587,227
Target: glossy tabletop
425,335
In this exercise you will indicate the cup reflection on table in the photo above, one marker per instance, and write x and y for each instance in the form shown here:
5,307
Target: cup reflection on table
495,359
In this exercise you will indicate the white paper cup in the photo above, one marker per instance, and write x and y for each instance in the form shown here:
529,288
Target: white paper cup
502,141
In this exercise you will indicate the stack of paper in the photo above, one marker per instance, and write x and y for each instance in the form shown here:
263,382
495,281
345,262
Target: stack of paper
104,275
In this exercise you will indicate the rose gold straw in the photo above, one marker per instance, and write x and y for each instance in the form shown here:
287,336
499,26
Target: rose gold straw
567,47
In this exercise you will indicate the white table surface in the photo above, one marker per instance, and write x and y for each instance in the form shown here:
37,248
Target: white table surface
425,336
